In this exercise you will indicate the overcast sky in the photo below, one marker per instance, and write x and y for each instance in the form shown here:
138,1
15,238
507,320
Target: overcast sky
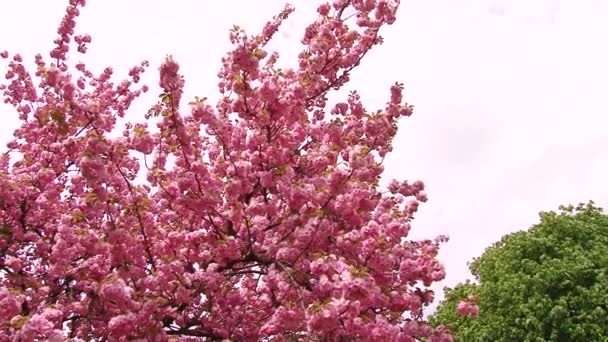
511,96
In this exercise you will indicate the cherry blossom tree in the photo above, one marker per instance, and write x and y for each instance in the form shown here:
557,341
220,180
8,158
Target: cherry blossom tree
259,218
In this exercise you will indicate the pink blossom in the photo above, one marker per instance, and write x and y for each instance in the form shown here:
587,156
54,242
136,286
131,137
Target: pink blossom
10,304
122,325
323,9
467,308
42,325
116,293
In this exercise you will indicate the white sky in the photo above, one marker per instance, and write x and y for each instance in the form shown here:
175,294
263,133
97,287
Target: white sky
511,96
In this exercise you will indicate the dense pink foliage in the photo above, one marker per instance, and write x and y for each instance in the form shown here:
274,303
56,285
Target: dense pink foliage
259,218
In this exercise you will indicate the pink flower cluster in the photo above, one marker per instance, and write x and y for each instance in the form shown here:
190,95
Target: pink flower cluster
259,218
468,307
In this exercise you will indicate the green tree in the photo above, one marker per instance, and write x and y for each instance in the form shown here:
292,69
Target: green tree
549,283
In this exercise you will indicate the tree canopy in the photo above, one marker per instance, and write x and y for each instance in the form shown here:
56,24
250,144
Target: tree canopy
258,218
548,283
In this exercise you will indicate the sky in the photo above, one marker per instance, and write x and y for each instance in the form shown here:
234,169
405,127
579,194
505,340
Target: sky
511,97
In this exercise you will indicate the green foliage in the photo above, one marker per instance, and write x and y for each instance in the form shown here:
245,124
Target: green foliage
549,283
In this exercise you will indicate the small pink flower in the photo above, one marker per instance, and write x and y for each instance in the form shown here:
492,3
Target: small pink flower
324,9
122,325
466,308
15,263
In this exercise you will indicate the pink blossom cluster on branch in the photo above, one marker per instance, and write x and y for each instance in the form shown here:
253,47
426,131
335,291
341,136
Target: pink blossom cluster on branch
261,218
468,307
